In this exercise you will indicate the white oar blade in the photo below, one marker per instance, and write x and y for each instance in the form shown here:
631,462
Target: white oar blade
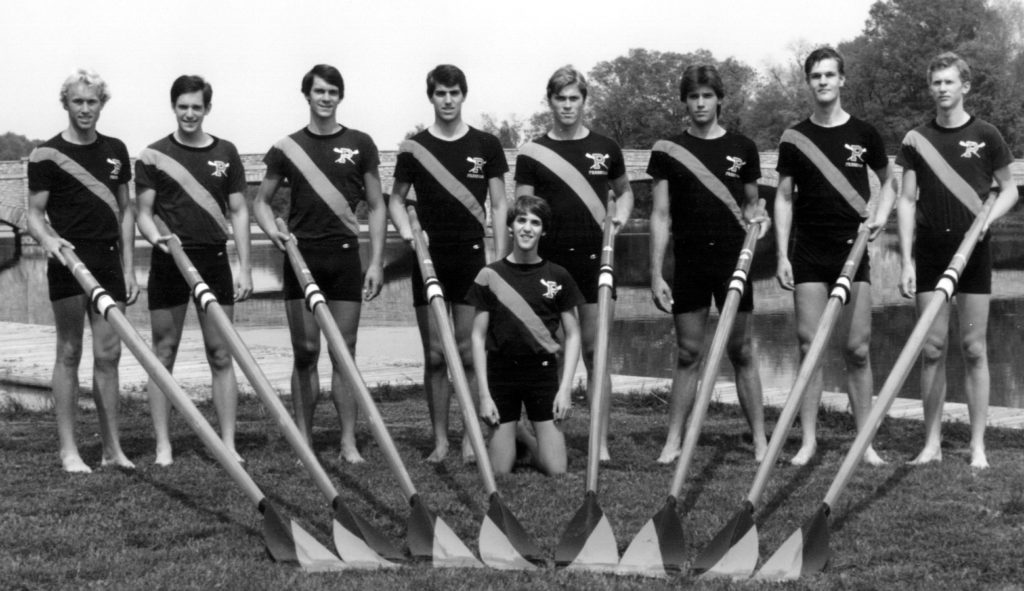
449,551
588,542
739,561
312,555
643,556
787,562
497,551
355,552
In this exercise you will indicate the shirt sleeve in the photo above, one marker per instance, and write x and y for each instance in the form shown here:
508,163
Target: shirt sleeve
658,165
526,170
405,168
906,156
40,175
787,164
570,296
370,157
751,170
145,177
618,167
479,295
496,165
236,173
876,150
1001,155
121,153
277,163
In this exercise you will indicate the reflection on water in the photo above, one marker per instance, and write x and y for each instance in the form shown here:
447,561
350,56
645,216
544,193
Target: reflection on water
642,340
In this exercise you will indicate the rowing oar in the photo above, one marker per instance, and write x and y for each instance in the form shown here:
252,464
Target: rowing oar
588,542
358,542
733,552
429,537
657,549
504,544
807,551
285,541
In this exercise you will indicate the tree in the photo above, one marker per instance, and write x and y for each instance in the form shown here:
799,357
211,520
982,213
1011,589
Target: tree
16,147
780,100
508,131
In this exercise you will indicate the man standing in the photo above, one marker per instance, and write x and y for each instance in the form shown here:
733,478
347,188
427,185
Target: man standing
574,170
192,180
452,168
331,168
825,160
78,198
949,164
705,190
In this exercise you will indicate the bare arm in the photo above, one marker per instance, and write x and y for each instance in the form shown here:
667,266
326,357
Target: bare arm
1007,197
661,222
396,207
378,219
147,227
240,226
571,328
40,229
499,215
906,209
478,341
886,200
783,225
753,209
623,202
127,230
264,214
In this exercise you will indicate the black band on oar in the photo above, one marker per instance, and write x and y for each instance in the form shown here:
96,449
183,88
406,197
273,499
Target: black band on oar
203,296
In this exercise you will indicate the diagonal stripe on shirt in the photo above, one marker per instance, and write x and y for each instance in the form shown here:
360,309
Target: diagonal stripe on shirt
952,180
80,174
444,177
569,175
513,300
319,182
706,177
833,175
192,187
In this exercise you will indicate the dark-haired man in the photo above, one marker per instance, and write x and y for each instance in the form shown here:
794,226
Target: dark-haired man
820,204
330,168
452,167
193,181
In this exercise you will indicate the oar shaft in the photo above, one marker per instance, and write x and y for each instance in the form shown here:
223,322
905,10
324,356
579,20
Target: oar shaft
599,406
162,377
336,344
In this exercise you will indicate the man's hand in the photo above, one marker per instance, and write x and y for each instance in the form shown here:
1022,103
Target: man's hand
131,287
373,282
661,293
908,281
784,273
759,215
53,245
489,411
243,286
562,406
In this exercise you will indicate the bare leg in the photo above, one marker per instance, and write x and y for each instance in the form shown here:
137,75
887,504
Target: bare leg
856,328
436,385
166,325
972,311
224,382
689,342
748,381
588,333
305,382
106,352
809,303
68,315
502,448
551,457
933,381
462,317
346,315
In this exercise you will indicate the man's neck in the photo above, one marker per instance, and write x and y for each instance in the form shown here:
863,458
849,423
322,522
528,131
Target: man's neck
449,130
576,131
523,257
708,131
197,139
829,115
954,117
78,136
323,126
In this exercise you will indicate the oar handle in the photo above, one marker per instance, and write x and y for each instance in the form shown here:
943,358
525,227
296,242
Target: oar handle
599,406
737,285
435,295
105,305
260,384
336,343
944,291
838,297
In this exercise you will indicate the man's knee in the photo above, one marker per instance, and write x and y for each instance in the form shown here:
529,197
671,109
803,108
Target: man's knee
687,357
858,355
975,351
306,354
741,353
933,350
107,357
219,358
69,353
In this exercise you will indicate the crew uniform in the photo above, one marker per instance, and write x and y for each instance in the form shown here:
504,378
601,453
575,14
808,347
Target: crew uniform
525,303
575,236
326,175
192,187
707,236
824,224
975,150
456,234
75,176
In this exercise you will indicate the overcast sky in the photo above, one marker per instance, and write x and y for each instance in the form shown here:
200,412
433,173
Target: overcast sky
254,52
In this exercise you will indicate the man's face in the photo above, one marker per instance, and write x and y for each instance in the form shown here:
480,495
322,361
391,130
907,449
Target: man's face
323,98
947,89
190,111
447,101
526,231
567,105
83,105
702,105
825,81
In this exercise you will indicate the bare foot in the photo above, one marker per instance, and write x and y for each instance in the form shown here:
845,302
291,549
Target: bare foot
604,456
164,457
438,455
928,454
804,455
350,454
978,459
669,454
468,454
118,461
73,463
872,458
760,449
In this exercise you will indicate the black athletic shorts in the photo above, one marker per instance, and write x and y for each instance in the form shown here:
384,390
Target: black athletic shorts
703,271
528,380
933,253
168,289
103,259
456,265
821,261
336,269
583,265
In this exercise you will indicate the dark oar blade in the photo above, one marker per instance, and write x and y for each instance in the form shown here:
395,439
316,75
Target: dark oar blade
588,542
733,551
504,544
277,535
358,542
657,550
806,551
431,539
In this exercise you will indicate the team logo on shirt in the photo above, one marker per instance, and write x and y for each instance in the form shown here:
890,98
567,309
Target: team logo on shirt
600,165
552,288
220,168
737,164
971,149
478,167
346,155
115,170
856,159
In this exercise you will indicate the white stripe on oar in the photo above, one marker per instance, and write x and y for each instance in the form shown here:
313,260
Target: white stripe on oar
313,556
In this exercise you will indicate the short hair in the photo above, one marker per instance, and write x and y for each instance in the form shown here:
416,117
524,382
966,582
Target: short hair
188,83
328,74
446,75
821,54
530,204
87,78
696,76
949,60
566,76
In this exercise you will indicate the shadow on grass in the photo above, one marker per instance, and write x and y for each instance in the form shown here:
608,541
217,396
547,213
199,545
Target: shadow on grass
463,496
187,500
702,478
883,489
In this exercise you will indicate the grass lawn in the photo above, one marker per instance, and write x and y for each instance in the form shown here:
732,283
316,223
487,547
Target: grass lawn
190,527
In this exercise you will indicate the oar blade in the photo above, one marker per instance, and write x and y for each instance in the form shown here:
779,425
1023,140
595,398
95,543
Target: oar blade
733,551
805,552
504,544
588,542
277,535
431,539
359,543
658,548
313,556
